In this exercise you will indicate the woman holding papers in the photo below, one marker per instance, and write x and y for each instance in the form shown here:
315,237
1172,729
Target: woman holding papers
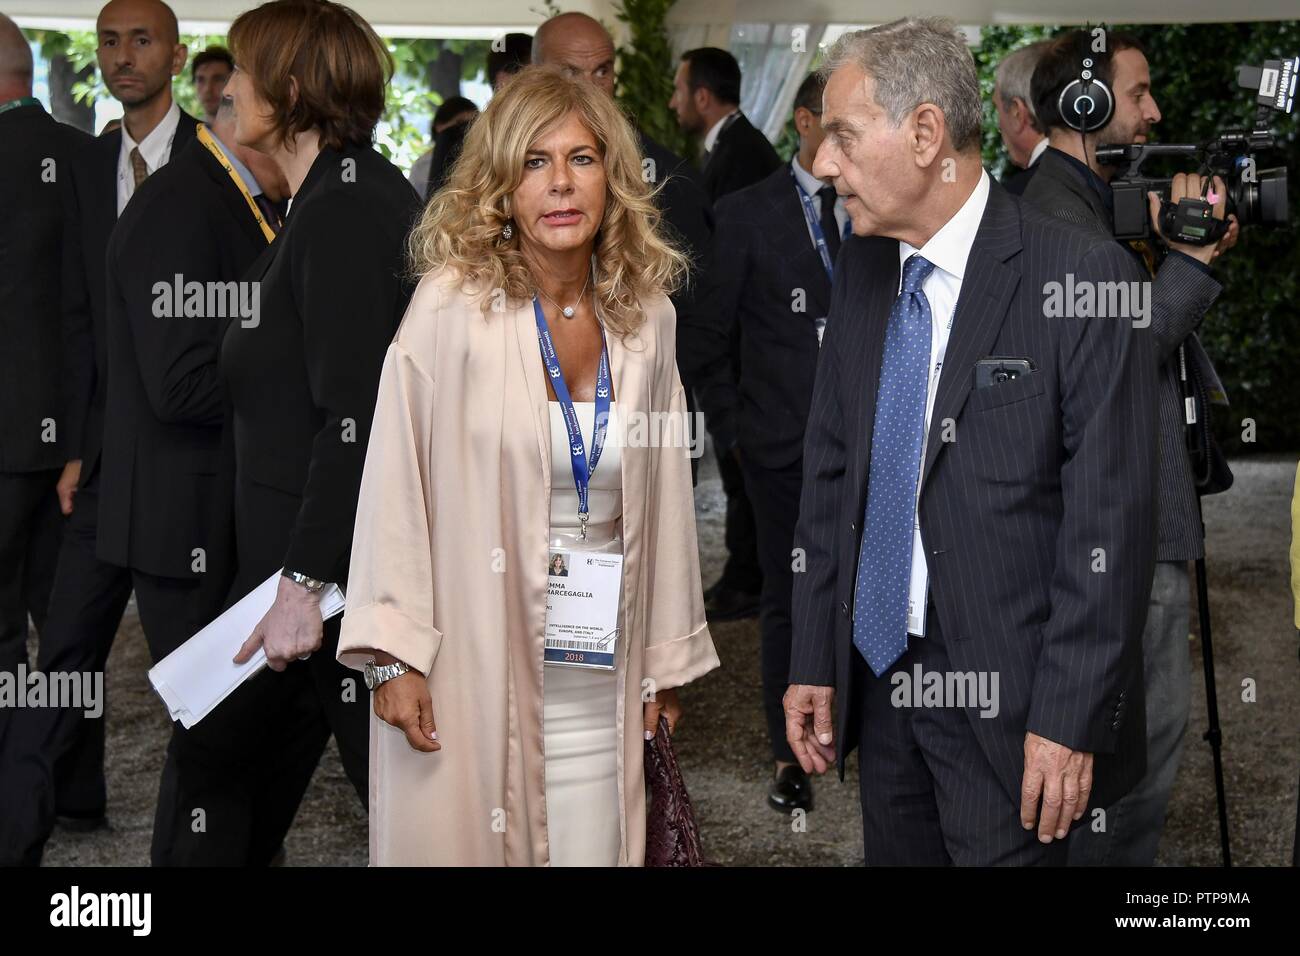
515,424
302,372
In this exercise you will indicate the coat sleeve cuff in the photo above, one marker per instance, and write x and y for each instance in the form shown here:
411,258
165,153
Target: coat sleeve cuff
681,661
376,627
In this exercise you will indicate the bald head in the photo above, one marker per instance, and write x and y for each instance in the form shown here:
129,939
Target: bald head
160,17
15,62
579,45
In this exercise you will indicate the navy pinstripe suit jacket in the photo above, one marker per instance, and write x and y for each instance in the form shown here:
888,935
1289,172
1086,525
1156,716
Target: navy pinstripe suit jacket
1049,479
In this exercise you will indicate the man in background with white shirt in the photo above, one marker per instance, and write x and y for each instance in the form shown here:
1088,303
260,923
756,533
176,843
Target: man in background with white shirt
139,52
1023,136
977,521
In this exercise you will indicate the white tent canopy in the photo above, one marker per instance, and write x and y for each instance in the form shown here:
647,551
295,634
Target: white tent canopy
486,18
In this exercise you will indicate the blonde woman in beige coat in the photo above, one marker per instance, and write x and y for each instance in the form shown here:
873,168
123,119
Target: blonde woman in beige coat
481,753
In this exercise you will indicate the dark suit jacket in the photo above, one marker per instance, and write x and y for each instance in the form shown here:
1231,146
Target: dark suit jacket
1044,470
35,152
764,266
93,215
165,403
1181,294
688,223
303,381
740,157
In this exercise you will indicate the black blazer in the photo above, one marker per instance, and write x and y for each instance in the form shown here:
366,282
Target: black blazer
165,403
303,381
764,268
1044,470
35,152
688,223
740,157
92,216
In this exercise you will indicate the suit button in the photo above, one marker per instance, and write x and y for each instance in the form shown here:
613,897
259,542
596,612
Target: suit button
853,526
1115,724
1122,694
844,608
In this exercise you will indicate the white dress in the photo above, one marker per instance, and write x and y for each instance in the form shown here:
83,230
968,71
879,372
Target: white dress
580,708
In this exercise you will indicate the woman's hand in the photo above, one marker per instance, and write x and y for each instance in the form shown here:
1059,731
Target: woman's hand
664,702
404,702
290,631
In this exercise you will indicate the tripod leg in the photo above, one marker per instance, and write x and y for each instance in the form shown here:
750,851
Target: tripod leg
1213,734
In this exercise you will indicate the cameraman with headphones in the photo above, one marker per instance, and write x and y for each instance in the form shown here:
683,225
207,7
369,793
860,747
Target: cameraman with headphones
1093,87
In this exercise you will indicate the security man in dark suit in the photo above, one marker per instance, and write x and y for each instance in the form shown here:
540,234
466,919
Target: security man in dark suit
139,52
773,257
706,99
1070,184
34,154
979,482
170,299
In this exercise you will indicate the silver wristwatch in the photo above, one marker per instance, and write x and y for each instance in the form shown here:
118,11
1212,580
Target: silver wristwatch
376,674
311,584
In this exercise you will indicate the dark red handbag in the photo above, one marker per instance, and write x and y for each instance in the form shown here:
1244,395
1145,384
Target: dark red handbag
672,836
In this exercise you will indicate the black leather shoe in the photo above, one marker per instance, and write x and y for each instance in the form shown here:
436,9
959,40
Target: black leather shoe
791,790
728,604
82,823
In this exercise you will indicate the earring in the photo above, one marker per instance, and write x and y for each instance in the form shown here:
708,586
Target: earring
507,232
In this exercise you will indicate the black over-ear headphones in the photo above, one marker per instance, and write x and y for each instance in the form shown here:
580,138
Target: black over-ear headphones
1086,103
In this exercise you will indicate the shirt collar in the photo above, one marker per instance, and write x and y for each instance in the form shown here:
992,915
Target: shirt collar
949,248
711,137
810,183
157,144
1037,151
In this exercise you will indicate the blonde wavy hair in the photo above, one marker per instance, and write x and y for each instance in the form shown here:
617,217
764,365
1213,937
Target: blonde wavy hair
461,226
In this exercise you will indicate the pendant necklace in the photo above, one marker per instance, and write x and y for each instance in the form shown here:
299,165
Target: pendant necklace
567,311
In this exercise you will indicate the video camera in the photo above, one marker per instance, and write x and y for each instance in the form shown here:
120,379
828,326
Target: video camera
1256,196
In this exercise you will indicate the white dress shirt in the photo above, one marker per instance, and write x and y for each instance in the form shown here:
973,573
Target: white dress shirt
811,184
1037,151
156,150
948,249
711,136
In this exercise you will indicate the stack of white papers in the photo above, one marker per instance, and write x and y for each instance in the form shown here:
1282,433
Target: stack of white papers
193,679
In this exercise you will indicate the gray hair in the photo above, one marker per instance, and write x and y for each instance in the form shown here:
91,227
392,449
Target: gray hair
1013,78
914,61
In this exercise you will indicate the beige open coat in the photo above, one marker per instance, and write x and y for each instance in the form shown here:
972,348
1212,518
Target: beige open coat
448,574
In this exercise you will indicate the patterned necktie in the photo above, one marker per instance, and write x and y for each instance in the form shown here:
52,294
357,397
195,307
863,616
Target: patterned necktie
885,558
830,228
269,212
138,168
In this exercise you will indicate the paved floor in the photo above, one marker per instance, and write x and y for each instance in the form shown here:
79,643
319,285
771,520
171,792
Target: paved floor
722,742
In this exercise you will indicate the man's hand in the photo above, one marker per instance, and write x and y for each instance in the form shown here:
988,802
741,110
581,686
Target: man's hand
1062,778
67,485
809,727
404,702
291,630
1188,186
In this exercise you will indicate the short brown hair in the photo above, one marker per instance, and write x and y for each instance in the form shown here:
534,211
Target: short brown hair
341,66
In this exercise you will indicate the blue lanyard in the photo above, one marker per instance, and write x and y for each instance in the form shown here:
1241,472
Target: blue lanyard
583,468
819,238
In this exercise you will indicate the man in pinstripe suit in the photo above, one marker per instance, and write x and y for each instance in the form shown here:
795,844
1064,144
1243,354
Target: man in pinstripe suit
979,484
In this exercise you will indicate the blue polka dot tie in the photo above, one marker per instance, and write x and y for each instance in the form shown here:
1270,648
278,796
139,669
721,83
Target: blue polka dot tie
885,559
